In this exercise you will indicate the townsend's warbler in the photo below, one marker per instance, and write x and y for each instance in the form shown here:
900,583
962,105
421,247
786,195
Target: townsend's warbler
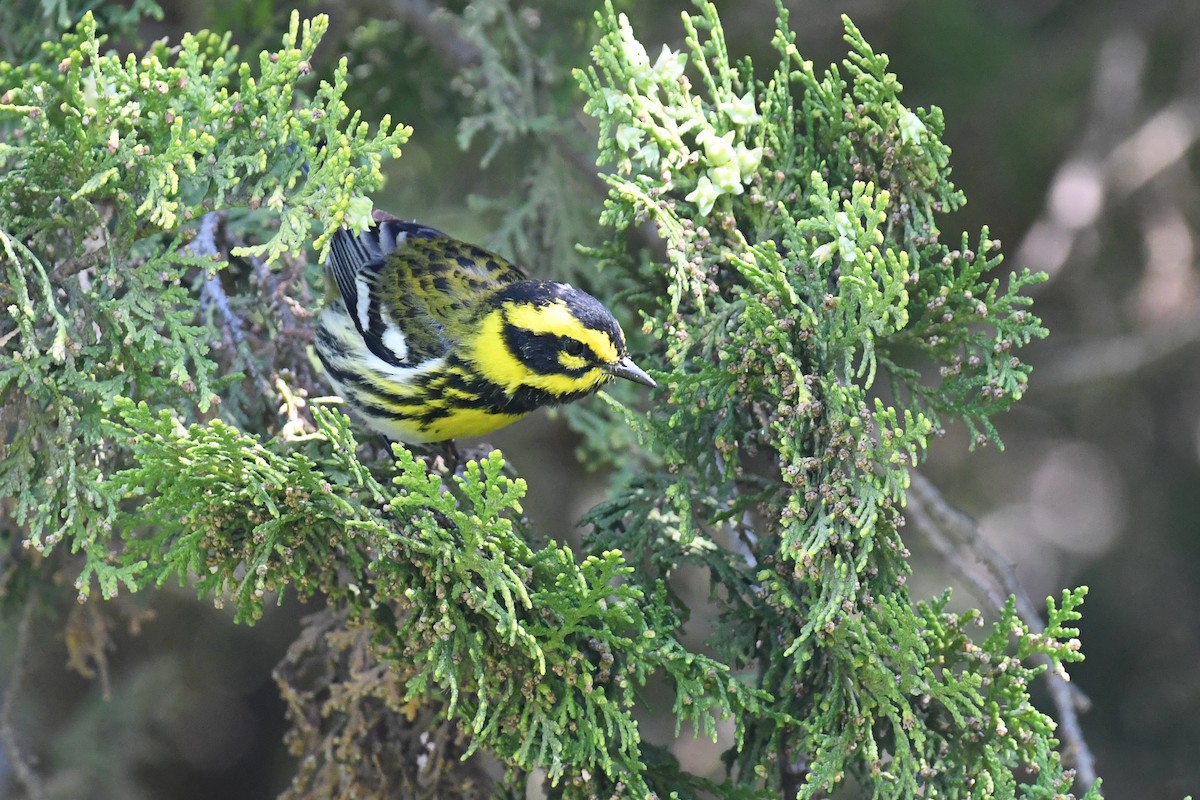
429,338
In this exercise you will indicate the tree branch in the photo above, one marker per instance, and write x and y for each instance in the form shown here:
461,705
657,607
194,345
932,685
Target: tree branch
213,295
992,577
1119,356
1105,169
442,30
21,761
438,26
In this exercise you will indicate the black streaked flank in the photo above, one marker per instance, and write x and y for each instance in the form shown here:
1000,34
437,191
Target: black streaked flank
524,400
357,383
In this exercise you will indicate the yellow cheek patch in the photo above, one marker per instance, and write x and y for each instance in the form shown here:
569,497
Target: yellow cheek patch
556,319
565,384
492,357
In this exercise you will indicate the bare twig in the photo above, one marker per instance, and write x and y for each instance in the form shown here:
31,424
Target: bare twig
1161,142
213,295
1105,169
205,244
958,538
1119,356
21,761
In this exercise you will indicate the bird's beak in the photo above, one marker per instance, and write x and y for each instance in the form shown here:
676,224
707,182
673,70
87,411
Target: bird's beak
625,368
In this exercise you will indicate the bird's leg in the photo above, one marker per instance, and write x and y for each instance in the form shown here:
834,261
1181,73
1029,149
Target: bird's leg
450,456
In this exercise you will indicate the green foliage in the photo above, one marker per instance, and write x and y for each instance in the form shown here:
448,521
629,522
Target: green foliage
813,333
519,101
104,159
539,655
29,23
242,505
803,263
182,131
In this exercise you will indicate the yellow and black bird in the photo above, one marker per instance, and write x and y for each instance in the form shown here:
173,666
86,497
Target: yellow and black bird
429,338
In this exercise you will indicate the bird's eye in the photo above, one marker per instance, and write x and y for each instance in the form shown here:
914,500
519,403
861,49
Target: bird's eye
573,347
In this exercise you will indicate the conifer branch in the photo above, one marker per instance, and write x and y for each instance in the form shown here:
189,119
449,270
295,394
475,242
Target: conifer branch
796,262
961,543
213,295
443,30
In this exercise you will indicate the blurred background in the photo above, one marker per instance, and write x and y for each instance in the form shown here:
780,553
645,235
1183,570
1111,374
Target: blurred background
1074,130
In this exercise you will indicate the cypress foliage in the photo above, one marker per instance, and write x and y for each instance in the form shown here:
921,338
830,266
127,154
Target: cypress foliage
812,331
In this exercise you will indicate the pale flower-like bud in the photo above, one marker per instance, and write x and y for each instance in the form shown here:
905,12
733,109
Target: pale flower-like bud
912,130
669,66
704,195
628,137
741,110
718,150
727,178
748,160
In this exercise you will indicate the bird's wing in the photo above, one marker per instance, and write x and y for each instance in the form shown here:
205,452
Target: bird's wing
395,326
445,277
411,290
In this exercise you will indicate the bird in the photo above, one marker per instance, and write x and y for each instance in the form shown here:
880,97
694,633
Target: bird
428,338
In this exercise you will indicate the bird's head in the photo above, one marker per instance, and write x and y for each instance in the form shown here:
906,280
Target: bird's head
547,337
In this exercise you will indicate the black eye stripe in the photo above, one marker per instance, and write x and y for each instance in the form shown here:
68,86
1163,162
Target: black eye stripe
540,351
